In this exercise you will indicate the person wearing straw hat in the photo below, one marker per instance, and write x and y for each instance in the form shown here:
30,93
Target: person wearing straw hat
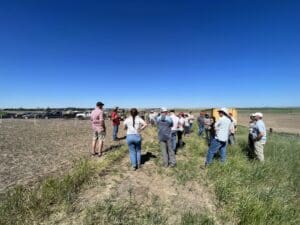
260,138
219,142
165,123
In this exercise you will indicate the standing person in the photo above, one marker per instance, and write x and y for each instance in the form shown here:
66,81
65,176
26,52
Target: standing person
152,118
219,142
186,125
212,129
231,138
207,127
99,128
115,122
174,129
191,120
251,137
134,125
261,136
180,131
200,121
165,123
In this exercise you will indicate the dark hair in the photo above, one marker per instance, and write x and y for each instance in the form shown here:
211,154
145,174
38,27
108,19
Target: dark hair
133,113
99,104
172,110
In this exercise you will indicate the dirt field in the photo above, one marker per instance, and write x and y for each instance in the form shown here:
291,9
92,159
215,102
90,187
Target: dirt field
288,122
31,150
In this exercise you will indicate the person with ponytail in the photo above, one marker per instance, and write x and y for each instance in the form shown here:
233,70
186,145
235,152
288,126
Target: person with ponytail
134,125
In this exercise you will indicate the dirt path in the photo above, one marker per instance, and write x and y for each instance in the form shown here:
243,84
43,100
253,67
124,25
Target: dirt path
148,183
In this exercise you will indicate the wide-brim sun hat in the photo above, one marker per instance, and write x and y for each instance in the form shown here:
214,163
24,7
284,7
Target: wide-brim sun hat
224,110
259,114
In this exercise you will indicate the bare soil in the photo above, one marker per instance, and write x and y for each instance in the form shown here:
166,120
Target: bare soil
32,149
280,122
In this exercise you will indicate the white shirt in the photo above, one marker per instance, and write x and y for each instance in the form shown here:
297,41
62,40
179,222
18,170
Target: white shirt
186,122
175,120
180,124
139,122
191,118
222,127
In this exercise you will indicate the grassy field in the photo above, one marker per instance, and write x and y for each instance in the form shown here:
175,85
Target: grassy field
107,192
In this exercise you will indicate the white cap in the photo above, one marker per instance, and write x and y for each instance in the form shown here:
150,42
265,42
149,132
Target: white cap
259,114
224,110
163,109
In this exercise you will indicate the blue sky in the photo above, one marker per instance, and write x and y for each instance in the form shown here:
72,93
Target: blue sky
185,53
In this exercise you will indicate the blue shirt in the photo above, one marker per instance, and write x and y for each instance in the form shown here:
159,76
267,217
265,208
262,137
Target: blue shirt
260,127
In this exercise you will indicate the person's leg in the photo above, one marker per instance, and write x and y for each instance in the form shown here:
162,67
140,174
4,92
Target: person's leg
173,136
200,131
171,154
101,142
223,148
163,147
138,149
94,143
115,132
213,148
132,151
259,150
179,134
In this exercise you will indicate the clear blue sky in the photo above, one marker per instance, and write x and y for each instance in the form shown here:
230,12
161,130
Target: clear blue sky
149,53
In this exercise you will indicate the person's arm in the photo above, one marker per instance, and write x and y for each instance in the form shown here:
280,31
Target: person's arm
260,134
144,124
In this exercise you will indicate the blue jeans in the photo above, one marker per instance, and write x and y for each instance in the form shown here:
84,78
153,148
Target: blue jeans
214,147
115,132
134,142
174,140
200,131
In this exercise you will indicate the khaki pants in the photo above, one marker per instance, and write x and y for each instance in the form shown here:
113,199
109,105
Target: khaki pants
259,149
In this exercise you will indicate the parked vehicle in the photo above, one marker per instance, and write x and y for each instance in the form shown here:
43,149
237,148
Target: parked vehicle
83,116
69,114
51,115
28,115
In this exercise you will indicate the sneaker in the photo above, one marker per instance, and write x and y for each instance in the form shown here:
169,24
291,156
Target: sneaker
133,169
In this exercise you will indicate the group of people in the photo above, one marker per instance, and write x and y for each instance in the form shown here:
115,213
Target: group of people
206,125
172,127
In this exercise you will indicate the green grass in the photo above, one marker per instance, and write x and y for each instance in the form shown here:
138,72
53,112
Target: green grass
125,212
256,193
190,218
23,205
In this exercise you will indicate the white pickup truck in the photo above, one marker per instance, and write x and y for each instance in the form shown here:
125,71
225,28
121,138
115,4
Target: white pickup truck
83,116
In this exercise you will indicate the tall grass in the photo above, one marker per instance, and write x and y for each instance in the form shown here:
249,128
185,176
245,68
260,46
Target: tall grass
260,193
